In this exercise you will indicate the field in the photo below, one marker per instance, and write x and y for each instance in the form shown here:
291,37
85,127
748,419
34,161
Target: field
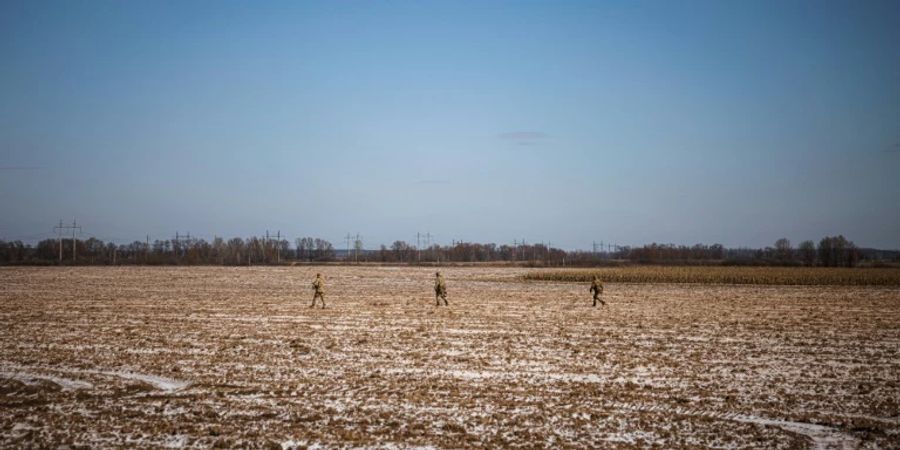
816,276
233,357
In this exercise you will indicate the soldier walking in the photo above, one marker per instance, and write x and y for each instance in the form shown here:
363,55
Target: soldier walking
597,289
440,289
319,285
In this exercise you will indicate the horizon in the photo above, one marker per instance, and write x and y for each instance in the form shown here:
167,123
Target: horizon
622,122
341,245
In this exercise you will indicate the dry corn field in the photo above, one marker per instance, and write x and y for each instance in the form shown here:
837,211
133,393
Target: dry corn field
728,275
233,357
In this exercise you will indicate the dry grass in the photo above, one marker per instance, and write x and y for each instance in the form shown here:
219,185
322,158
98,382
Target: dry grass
727,275
233,358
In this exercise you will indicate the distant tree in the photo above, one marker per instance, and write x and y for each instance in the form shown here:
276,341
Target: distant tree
784,253
716,251
110,253
47,250
358,248
95,250
837,251
807,252
305,248
324,250
299,244
402,251
853,255
235,252
283,248
825,252
218,250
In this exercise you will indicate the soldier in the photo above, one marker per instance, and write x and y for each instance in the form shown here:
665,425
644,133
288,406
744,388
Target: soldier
440,289
597,289
319,285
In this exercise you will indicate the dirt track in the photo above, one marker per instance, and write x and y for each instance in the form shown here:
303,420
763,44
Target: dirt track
234,357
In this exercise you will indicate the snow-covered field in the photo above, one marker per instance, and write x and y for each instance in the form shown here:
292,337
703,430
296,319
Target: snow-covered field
174,357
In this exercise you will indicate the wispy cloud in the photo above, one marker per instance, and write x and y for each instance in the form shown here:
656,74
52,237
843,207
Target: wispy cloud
432,182
11,168
523,135
893,149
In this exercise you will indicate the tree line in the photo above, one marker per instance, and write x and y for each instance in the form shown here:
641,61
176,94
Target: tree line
233,252
831,251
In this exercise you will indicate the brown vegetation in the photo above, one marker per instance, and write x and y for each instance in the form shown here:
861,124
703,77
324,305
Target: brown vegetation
727,275
148,357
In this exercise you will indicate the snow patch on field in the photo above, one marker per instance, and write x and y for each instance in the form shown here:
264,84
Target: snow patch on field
822,437
31,378
161,383
532,376
28,376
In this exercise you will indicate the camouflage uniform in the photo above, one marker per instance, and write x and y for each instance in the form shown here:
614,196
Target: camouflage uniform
597,289
440,289
319,285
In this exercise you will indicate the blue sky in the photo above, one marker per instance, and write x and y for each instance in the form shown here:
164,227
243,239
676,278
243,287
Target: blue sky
569,122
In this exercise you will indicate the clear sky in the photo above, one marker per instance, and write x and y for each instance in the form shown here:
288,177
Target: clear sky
737,122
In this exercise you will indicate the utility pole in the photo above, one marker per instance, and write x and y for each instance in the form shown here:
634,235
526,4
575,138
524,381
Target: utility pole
74,244
356,246
347,255
59,229
72,227
277,245
418,248
180,242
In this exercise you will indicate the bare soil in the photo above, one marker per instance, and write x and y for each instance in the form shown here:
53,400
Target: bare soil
234,357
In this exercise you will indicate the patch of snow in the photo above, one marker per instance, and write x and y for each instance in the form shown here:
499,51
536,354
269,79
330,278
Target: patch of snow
161,383
822,437
31,378
175,441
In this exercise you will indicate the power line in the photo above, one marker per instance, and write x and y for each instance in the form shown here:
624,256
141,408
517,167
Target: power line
347,255
277,246
72,227
178,240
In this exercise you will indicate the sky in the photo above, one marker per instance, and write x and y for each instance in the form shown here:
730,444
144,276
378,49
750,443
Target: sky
632,122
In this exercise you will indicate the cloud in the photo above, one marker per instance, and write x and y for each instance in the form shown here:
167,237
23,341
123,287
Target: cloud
894,149
21,167
432,182
523,136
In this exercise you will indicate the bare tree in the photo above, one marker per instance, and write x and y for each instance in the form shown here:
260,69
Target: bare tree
784,253
807,252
